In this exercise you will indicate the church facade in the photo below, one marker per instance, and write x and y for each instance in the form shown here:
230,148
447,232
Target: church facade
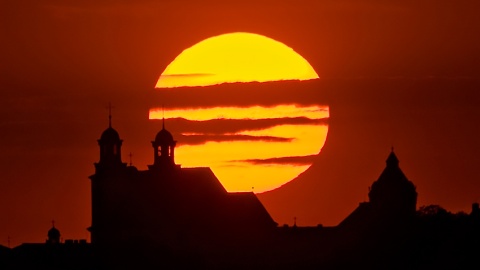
166,205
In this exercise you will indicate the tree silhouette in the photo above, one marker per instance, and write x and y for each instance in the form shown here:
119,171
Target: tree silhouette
431,211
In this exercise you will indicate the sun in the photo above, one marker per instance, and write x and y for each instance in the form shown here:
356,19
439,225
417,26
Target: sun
255,148
235,57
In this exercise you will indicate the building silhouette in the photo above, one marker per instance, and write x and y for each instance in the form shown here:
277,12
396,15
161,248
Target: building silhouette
182,218
52,254
392,200
167,206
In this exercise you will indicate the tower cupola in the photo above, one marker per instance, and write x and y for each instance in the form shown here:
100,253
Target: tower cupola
164,148
53,235
110,146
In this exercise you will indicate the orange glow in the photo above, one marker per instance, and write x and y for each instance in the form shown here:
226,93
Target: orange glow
235,57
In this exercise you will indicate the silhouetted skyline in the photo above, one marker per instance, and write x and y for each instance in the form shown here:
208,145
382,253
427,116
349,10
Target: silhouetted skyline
397,73
169,216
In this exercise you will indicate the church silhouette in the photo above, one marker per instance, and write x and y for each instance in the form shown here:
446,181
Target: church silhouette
175,218
178,208
392,200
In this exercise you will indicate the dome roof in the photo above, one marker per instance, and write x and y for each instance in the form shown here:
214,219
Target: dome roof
392,181
110,134
53,233
164,137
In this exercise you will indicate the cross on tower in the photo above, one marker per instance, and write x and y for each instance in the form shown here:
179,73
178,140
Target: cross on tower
109,114
130,155
163,116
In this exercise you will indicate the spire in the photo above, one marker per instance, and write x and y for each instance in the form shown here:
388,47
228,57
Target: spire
163,117
392,160
109,115
393,195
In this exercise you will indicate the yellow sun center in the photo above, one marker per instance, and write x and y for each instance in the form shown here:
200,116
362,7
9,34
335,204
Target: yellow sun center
255,148
235,57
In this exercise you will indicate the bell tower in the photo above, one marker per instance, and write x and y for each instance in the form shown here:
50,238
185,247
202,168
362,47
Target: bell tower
110,146
105,184
163,149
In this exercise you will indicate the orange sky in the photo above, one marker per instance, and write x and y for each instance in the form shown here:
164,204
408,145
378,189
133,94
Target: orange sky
401,73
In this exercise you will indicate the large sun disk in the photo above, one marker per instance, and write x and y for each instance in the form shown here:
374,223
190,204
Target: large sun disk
235,57
254,148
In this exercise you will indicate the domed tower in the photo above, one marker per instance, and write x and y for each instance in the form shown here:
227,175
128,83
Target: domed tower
106,183
393,194
163,149
53,235
110,147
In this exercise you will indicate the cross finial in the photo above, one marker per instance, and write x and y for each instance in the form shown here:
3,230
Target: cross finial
295,221
110,114
163,116
130,155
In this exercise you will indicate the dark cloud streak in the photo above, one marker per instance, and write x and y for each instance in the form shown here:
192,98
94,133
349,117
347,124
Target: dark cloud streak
293,160
242,95
204,138
225,126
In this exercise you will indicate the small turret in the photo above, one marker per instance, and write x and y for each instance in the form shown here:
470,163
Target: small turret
110,146
163,149
53,235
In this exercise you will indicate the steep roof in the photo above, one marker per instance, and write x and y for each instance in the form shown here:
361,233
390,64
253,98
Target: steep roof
392,184
248,209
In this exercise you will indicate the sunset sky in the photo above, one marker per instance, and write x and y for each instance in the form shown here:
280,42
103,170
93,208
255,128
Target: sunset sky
392,73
